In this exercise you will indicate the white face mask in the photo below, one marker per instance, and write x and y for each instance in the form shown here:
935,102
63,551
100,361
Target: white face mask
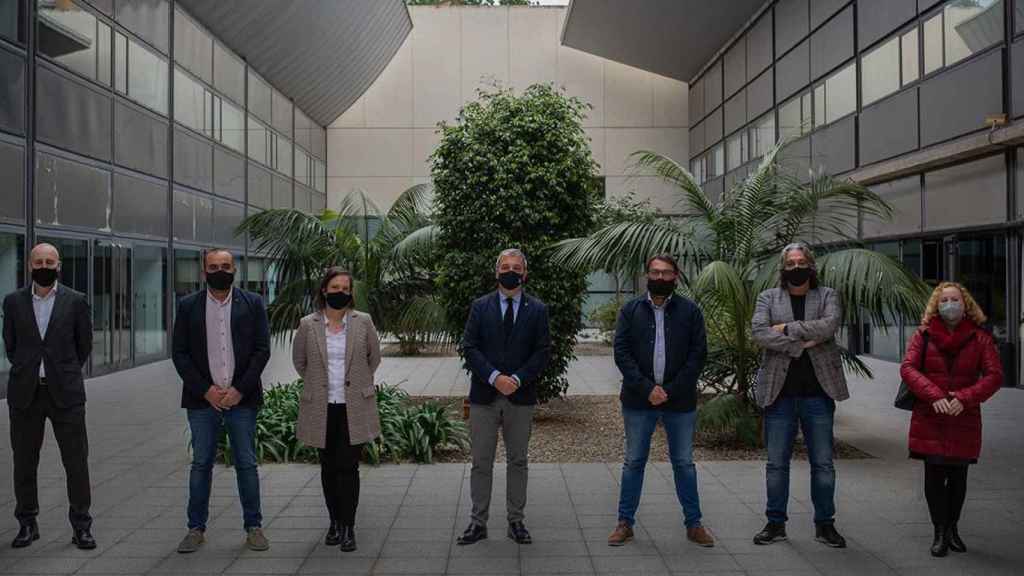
951,311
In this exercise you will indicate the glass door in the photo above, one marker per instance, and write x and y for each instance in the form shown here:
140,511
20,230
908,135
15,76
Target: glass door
150,278
112,307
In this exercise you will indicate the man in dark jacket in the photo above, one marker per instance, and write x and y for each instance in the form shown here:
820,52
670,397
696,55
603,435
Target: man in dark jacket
507,344
660,347
221,345
48,338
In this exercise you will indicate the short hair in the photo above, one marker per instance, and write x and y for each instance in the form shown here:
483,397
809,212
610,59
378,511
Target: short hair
666,258
511,252
216,250
330,274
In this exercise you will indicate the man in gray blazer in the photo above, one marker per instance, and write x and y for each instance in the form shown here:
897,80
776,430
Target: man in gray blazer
800,380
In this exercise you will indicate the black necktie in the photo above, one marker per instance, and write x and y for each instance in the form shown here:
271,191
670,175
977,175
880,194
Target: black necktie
509,320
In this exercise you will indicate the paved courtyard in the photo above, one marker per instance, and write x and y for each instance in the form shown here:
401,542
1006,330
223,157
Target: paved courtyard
410,515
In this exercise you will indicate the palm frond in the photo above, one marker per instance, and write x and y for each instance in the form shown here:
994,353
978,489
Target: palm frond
625,246
669,170
880,287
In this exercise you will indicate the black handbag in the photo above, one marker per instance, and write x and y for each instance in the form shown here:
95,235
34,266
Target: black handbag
904,397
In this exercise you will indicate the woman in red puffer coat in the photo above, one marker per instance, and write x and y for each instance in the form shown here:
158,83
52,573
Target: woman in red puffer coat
961,370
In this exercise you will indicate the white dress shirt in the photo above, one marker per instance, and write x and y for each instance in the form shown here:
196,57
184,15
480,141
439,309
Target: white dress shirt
336,343
43,309
220,350
659,339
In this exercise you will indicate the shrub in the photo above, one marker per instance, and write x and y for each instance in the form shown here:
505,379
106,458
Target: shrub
408,431
729,420
515,171
605,316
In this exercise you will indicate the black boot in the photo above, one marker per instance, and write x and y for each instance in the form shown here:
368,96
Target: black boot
333,534
27,534
953,539
348,538
940,545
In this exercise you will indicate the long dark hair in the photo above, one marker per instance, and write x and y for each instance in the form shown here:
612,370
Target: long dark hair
330,274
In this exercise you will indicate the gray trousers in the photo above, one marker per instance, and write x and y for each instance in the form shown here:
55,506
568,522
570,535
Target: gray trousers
515,423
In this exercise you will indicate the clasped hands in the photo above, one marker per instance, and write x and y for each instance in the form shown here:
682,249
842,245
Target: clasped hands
781,329
950,406
222,398
507,385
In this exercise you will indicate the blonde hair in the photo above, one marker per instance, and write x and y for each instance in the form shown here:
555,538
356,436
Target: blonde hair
971,308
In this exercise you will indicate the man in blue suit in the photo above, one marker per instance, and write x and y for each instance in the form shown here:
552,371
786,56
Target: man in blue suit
220,346
507,343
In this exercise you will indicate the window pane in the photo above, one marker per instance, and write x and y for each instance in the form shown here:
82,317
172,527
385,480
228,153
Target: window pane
717,161
12,92
228,73
12,266
880,70
789,119
284,156
11,20
150,278
257,141
762,135
232,126
908,55
71,35
147,78
933,44
841,94
805,113
819,105
970,27
189,101
733,153
120,63
302,167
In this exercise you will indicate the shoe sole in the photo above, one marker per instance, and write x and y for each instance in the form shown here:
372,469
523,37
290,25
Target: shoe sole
348,549
465,543
772,541
621,543
257,548
84,546
704,544
827,543
26,544
517,541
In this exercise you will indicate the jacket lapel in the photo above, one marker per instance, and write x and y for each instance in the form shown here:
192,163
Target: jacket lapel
239,307
785,307
350,337
811,305
320,328
199,320
26,296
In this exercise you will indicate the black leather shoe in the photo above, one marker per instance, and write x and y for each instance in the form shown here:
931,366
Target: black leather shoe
940,544
517,531
773,532
27,534
83,539
333,535
348,538
953,539
828,535
472,535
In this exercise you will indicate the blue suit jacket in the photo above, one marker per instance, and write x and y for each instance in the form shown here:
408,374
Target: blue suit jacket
250,339
525,355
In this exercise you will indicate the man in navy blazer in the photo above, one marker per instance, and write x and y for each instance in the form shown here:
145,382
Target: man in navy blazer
506,344
221,345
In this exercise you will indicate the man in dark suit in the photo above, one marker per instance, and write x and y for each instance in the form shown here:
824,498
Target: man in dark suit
507,343
221,345
48,337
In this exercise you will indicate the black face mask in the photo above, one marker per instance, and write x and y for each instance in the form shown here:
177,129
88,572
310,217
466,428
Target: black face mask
220,280
510,280
338,300
661,287
44,277
797,276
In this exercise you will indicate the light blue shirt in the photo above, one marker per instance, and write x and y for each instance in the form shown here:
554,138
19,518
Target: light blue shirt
43,309
659,339
517,298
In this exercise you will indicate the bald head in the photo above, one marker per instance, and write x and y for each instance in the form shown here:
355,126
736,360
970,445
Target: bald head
44,256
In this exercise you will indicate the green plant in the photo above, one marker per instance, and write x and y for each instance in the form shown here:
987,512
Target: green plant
728,417
394,266
605,316
515,171
413,431
729,250
275,428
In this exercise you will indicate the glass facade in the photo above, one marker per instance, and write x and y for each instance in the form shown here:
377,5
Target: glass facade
111,107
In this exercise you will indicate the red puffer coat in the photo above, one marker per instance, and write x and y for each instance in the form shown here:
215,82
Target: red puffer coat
962,364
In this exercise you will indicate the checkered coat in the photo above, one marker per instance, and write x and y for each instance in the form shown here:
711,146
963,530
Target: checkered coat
822,317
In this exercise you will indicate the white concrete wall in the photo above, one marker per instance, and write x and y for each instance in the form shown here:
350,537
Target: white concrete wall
381,143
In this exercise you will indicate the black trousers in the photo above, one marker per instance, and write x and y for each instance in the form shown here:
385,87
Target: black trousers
27,429
945,488
339,468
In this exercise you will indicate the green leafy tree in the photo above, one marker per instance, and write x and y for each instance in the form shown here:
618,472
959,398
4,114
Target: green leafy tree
393,265
515,171
729,250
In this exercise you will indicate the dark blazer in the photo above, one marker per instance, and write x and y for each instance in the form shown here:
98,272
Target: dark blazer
250,338
525,355
64,351
685,351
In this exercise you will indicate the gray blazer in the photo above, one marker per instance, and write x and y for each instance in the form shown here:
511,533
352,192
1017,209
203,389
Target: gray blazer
822,316
362,356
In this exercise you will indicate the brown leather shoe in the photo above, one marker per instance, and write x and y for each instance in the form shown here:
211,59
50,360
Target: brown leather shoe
623,533
700,536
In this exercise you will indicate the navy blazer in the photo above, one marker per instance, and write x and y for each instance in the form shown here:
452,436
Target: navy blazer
685,351
64,350
250,338
525,355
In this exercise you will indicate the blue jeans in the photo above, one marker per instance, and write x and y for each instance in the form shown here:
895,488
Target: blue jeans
814,415
205,425
640,425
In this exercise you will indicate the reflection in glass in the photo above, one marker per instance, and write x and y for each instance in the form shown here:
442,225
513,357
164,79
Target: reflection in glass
933,44
111,308
150,279
790,122
981,267
762,135
970,27
147,77
284,156
717,167
12,266
11,22
72,36
257,141
880,72
908,56
733,152
187,273
191,103
232,126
